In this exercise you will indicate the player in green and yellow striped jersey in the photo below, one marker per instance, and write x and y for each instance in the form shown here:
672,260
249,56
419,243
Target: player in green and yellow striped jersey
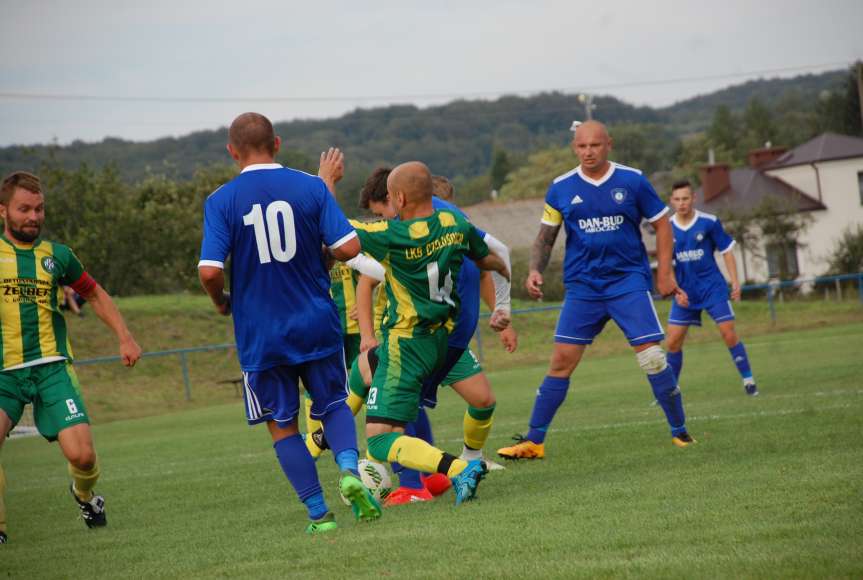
422,254
35,354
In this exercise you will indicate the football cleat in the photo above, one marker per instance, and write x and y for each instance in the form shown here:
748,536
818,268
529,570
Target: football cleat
405,495
326,523
493,465
436,483
751,389
92,511
683,439
524,449
365,507
489,464
466,483
4,539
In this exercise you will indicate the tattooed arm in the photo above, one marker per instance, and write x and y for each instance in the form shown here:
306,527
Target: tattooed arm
540,254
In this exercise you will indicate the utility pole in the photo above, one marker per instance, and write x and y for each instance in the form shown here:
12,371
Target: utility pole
587,101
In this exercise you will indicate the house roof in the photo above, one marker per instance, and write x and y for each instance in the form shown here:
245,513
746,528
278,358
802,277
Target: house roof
825,147
748,188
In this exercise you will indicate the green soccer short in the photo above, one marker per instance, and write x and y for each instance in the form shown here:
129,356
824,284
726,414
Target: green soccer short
465,367
53,390
403,364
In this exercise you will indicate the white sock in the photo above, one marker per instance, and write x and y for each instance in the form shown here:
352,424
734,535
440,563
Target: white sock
470,454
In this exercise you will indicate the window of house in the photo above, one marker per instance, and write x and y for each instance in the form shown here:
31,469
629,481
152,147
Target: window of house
782,261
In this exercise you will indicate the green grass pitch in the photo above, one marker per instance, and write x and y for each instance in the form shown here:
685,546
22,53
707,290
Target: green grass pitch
774,487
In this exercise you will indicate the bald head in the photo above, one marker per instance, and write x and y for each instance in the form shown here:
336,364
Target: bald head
413,180
252,133
592,145
591,130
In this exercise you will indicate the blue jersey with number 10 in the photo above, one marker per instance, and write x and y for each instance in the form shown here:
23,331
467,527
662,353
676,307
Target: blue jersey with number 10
272,221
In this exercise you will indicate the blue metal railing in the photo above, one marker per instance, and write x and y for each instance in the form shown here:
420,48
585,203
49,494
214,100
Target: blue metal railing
772,289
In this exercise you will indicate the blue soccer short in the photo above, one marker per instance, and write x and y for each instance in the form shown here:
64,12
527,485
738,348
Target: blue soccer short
582,320
719,312
274,394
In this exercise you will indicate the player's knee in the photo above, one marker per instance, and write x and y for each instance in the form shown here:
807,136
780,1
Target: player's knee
652,360
82,458
484,400
562,362
729,336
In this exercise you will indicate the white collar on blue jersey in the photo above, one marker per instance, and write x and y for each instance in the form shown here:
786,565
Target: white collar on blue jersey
256,166
601,180
689,225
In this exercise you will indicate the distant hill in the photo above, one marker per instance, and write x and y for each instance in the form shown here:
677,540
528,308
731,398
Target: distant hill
456,139
802,91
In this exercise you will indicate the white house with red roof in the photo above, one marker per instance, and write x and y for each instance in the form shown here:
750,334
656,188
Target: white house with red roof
823,177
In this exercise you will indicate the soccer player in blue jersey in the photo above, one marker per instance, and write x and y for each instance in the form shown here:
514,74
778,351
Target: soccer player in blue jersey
607,276
697,235
272,221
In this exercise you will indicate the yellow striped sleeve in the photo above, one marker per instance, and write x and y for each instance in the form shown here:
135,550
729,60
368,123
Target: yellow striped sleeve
551,217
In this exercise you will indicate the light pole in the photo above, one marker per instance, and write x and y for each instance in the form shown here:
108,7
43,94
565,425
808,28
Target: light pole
587,100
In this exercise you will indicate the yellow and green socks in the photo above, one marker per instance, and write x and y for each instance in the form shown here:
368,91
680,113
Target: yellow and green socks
83,481
414,453
477,426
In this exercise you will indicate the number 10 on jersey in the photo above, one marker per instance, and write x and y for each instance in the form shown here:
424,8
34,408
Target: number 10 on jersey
281,243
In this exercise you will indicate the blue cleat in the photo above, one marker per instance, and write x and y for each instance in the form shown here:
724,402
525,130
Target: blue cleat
465,483
751,389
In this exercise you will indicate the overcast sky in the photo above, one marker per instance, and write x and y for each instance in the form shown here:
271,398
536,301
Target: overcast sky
326,58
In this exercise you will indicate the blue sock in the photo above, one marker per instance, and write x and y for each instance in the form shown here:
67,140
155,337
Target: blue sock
675,361
347,460
299,468
738,353
341,434
420,428
669,398
549,398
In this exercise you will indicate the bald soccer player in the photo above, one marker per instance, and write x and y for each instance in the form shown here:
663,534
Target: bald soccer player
423,253
272,221
607,277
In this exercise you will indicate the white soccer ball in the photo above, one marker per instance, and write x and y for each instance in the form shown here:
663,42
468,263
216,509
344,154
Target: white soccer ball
376,477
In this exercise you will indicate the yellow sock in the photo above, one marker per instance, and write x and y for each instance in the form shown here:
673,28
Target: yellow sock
312,425
476,429
355,402
84,481
415,454
456,467
2,500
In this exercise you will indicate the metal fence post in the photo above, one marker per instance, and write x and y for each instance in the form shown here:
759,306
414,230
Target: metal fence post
770,289
184,363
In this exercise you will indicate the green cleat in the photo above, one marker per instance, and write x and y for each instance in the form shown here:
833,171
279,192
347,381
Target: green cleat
365,507
322,525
